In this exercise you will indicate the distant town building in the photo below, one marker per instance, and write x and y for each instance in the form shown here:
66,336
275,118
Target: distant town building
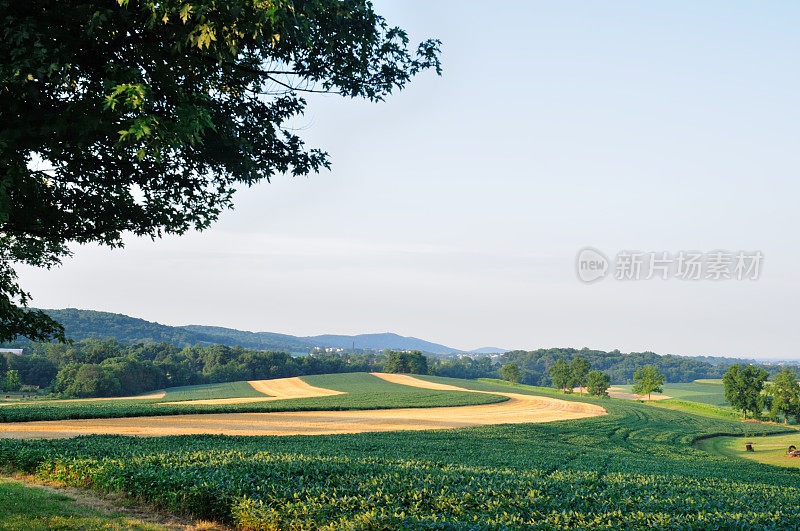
17,351
328,349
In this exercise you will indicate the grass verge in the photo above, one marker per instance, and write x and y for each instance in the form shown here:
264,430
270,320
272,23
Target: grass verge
25,507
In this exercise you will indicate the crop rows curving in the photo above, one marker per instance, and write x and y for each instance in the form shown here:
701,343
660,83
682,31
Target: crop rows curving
635,468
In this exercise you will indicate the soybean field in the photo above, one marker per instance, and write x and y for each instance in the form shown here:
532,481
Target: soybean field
637,467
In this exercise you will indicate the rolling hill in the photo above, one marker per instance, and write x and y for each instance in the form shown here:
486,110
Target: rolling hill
83,324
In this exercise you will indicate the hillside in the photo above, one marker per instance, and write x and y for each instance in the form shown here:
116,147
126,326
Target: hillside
83,324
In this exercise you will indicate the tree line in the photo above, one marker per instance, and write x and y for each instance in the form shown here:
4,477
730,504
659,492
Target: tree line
578,374
94,367
748,390
621,367
105,367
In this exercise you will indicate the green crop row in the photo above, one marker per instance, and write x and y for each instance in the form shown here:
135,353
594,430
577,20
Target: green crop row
208,391
634,468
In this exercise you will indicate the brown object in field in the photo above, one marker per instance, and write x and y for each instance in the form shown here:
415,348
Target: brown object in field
749,447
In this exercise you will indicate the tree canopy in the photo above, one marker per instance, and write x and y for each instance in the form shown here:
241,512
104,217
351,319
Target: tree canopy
785,393
511,373
413,362
648,380
12,381
597,383
142,116
743,385
579,369
561,375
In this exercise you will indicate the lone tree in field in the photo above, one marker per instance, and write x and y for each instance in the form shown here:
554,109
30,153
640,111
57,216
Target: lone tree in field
648,380
579,368
511,373
561,375
785,393
597,383
743,386
143,116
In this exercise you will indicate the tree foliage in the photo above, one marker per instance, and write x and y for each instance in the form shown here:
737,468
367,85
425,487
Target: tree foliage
533,365
648,380
511,373
743,386
579,369
785,394
12,381
561,375
143,116
620,366
565,375
413,362
597,383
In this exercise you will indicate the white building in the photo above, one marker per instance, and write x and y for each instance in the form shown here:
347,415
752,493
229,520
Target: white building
17,351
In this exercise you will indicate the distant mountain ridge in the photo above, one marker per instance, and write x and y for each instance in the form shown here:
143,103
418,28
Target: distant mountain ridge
83,324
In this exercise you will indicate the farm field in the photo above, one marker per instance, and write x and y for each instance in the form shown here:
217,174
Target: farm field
769,450
248,392
358,391
211,391
517,408
703,391
635,467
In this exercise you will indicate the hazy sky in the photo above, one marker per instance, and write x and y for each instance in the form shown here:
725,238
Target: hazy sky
455,210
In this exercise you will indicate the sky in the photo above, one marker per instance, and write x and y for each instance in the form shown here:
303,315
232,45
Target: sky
455,210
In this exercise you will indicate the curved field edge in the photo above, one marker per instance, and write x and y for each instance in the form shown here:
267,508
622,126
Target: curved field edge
363,392
635,467
769,450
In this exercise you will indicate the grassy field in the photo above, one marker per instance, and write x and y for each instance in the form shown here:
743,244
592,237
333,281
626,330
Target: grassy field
30,508
364,391
769,450
703,391
637,467
698,408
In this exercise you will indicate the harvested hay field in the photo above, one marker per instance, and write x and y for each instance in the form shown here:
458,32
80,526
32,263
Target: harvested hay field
519,408
277,389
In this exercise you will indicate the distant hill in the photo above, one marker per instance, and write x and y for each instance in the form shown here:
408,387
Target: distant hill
82,324
254,340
